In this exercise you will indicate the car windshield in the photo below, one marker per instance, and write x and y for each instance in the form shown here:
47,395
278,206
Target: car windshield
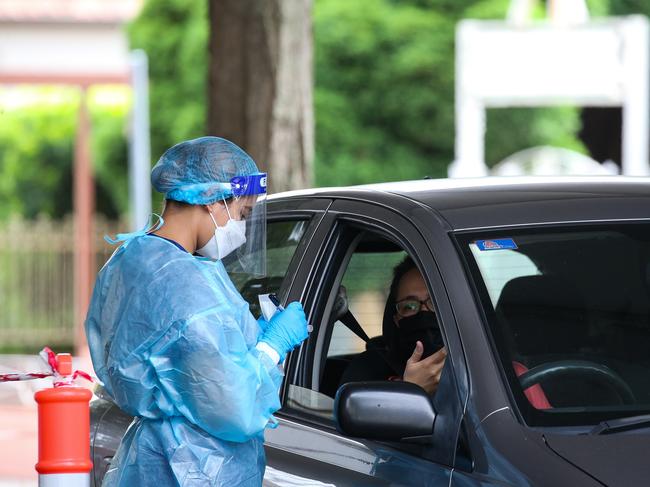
568,312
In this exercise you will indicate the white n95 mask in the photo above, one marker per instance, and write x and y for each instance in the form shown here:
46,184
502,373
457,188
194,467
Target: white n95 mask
225,240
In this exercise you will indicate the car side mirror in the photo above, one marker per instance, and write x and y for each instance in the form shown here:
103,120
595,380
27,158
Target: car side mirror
384,410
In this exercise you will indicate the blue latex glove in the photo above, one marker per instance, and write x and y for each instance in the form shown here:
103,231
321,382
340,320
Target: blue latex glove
287,329
263,323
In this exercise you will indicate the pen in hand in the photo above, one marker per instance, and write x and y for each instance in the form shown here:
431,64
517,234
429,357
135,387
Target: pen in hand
276,302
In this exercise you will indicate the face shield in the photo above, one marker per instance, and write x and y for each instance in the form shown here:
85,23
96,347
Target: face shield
248,203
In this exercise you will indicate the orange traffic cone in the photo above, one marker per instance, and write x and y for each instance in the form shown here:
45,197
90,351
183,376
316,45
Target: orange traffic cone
64,431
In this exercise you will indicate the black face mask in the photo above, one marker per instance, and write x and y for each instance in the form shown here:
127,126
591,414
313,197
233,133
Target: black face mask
423,327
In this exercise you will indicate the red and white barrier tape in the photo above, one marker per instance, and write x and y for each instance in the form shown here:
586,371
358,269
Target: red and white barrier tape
50,359
16,377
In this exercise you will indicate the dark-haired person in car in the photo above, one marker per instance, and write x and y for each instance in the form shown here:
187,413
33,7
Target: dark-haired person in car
412,348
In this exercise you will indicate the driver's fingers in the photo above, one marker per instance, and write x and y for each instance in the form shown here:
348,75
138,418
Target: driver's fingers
417,353
437,368
438,357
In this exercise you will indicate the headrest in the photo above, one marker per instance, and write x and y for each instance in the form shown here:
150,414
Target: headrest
543,315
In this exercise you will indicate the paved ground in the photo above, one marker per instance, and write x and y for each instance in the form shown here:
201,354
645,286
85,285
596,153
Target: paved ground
18,426
18,436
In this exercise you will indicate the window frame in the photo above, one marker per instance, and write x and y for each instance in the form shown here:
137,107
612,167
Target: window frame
526,413
333,248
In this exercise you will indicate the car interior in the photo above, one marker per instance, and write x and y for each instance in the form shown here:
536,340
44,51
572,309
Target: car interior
362,291
584,307
553,309
336,365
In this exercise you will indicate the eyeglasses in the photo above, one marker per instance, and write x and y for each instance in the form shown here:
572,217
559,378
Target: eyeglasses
409,307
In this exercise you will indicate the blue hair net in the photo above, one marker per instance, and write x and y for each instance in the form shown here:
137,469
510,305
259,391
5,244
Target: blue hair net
199,171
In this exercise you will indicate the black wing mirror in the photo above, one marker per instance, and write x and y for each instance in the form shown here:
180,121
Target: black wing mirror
386,410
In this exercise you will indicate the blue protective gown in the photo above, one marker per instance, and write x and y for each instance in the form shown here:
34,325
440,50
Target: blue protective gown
173,342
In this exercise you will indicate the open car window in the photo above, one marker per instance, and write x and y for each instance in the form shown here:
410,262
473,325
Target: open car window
571,318
363,291
365,286
357,298
348,342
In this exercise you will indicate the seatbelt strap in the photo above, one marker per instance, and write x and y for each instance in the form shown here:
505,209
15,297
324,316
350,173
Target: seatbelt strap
353,325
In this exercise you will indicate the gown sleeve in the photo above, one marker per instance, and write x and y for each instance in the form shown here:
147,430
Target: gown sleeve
212,377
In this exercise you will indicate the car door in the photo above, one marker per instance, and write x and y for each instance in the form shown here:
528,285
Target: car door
306,448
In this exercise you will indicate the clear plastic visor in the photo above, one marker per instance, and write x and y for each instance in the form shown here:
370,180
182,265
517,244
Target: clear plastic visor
249,204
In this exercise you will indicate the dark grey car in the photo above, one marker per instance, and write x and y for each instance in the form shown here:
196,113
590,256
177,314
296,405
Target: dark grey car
542,291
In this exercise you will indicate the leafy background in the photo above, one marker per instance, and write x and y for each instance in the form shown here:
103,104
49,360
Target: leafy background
384,102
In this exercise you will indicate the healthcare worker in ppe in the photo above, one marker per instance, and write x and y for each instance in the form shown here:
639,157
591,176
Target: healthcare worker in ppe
173,341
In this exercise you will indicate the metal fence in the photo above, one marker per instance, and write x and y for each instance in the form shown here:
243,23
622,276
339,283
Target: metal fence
37,281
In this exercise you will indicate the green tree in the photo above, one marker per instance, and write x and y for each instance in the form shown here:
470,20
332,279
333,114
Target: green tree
384,98
37,153
384,101
110,159
628,7
174,33
385,92
35,149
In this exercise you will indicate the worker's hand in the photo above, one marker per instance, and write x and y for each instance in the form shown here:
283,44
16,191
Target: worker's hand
425,372
287,329
263,323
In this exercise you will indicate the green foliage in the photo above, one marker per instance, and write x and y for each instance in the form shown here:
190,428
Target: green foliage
491,9
36,147
599,8
512,129
385,92
174,34
384,101
110,159
628,7
37,153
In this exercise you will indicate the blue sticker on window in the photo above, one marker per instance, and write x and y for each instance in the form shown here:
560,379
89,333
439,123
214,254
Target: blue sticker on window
496,244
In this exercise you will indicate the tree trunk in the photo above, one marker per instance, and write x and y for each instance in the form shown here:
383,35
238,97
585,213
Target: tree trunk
260,84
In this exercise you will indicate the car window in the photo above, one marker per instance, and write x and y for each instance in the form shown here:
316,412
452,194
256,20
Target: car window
501,267
574,328
311,403
362,287
346,305
282,240
365,283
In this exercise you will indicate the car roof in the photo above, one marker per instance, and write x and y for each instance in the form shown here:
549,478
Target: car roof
473,203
